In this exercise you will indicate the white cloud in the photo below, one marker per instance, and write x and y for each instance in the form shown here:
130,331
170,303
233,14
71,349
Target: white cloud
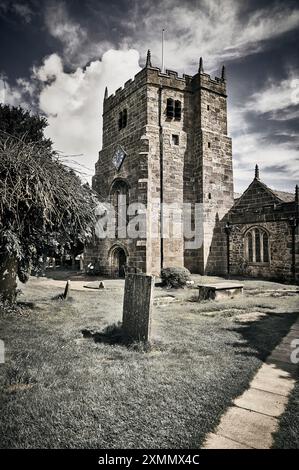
51,68
277,101
73,104
23,10
12,95
278,161
62,27
276,97
214,29
268,23
2,90
78,48
73,101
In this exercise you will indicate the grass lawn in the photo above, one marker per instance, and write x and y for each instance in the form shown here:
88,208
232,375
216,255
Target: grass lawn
287,436
60,390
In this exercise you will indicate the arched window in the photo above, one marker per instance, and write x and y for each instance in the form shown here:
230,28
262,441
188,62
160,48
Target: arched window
125,118
177,110
249,247
174,109
257,245
170,108
266,248
122,119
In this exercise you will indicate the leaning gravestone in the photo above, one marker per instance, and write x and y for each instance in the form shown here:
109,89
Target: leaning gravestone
66,290
137,306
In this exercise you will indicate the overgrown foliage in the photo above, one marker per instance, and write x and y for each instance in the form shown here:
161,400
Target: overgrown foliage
18,122
43,206
175,276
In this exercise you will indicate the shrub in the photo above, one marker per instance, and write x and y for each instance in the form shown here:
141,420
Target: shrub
175,277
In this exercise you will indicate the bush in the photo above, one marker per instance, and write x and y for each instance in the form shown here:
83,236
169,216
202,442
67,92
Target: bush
175,277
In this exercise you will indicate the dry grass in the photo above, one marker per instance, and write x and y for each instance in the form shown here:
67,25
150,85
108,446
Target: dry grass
60,389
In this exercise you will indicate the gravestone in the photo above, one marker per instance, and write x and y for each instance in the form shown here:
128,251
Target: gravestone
138,299
66,290
219,291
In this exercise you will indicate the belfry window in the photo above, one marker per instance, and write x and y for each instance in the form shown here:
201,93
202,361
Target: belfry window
257,245
122,119
170,108
177,110
174,109
125,118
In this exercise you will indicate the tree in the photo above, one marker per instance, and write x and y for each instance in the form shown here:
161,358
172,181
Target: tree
42,204
18,122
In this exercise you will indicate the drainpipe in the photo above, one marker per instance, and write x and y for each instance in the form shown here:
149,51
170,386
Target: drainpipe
228,229
161,177
293,224
293,221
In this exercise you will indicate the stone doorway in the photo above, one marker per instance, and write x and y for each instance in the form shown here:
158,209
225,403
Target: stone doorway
118,262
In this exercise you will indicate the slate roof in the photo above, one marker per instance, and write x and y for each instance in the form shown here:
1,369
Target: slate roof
283,195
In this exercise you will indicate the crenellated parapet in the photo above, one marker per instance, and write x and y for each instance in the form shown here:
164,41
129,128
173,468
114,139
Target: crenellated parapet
150,75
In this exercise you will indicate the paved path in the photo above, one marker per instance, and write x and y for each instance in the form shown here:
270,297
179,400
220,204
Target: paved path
251,421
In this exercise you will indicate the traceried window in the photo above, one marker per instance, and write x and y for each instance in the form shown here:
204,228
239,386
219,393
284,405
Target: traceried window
177,110
173,109
257,245
170,108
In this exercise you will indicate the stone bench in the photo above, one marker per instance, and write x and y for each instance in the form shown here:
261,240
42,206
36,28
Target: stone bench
219,290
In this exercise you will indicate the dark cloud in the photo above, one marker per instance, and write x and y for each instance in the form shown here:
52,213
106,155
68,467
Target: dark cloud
257,40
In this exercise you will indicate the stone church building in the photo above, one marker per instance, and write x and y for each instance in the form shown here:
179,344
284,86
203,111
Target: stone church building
165,142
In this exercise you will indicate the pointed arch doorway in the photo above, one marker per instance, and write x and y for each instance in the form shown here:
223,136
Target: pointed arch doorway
118,262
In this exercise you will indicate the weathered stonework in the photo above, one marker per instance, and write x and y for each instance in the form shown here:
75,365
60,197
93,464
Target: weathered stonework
186,160
196,170
274,213
137,306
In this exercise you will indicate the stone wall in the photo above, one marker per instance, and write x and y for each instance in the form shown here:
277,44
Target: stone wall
212,157
134,170
280,239
161,145
197,170
260,207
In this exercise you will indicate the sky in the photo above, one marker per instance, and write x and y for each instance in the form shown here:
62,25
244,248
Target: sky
57,57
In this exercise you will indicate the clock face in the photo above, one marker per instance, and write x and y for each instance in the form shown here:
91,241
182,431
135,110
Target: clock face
118,157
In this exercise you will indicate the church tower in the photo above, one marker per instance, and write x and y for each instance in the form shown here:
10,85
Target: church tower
165,143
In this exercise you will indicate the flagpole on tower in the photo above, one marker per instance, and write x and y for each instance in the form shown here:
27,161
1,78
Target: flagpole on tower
162,67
